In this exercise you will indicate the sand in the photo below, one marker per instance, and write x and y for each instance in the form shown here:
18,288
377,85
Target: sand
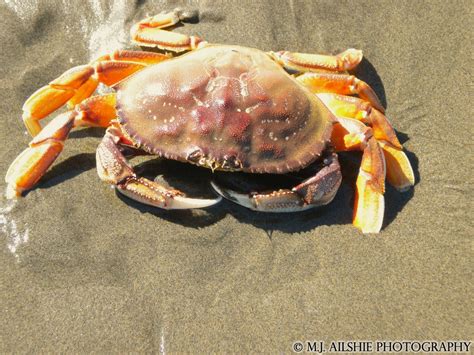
85,270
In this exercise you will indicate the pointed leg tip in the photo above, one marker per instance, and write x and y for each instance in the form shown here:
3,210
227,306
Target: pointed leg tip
405,187
12,193
351,57
369,227
369,207
370,230
33,127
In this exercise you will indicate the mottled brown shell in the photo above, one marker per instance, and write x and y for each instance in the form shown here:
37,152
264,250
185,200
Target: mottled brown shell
224,107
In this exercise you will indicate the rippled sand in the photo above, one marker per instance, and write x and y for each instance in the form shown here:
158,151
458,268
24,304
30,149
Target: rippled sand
86,270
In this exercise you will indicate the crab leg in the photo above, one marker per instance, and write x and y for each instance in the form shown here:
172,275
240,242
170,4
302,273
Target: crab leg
350,134
303,62
399,171
317,190
80,82
96,111
34,161
113,168
149,33
340,84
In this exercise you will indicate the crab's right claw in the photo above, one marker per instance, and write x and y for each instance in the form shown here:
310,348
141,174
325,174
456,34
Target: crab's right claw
154,194
113,168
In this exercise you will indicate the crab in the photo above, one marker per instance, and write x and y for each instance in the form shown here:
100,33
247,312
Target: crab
222,107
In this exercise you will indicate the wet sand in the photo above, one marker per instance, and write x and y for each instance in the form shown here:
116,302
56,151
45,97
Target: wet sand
85,270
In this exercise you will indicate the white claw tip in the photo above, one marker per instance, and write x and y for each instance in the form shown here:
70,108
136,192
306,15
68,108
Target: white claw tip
180,202
241,199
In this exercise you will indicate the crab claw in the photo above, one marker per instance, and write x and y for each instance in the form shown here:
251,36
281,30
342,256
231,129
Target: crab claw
240,199
314,191
153,194
113,168
186,202
277,201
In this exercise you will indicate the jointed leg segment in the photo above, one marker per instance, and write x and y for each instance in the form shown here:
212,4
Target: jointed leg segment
350,134
34,161
399,171
150,33
303,62
340,84
80,82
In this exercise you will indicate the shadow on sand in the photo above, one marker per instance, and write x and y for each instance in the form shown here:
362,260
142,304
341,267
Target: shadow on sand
194,181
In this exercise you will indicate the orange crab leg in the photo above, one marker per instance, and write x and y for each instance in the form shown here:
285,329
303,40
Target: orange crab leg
110,72
369,201
303,62
399,171
340,84
96,111
149,33
139,57
85,91
80,82
34,161
349,134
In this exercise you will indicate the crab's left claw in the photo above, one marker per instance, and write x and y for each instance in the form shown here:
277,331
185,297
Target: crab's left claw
317,190
277,201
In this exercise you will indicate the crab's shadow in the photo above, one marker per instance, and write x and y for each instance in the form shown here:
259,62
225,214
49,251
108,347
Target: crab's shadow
195,182
366,71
